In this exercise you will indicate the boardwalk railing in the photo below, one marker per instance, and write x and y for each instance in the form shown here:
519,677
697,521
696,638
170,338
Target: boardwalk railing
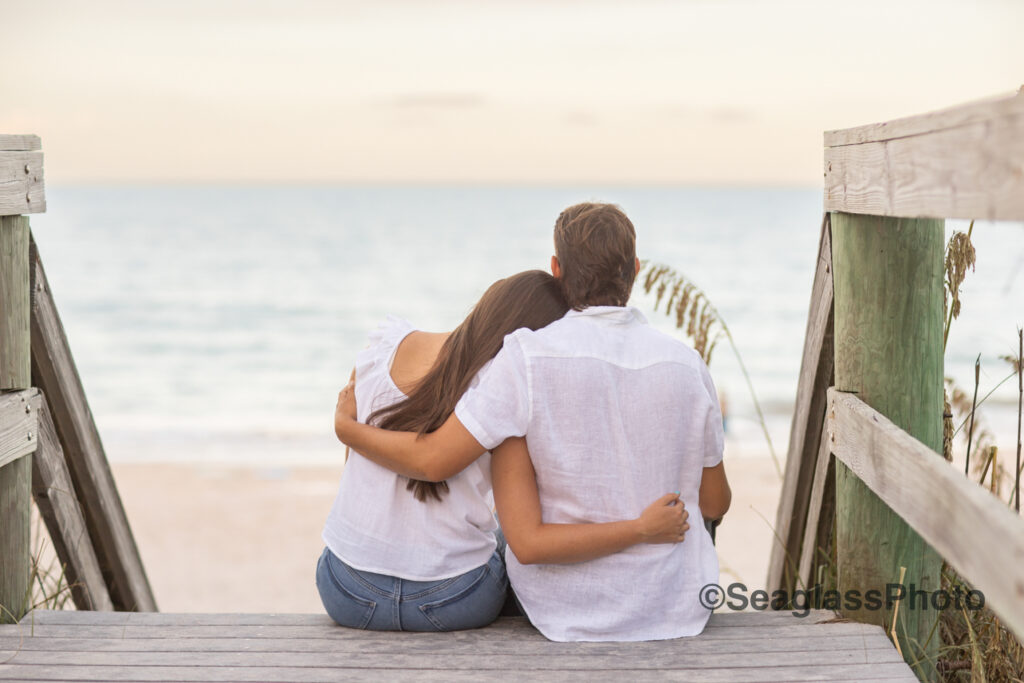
50,449
870,390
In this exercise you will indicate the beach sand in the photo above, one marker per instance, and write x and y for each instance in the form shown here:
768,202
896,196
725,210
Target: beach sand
222,538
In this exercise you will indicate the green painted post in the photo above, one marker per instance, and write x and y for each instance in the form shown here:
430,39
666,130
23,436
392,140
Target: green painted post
15,373
888,283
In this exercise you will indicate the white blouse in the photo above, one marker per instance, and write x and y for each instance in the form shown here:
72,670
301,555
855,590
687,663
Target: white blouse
376,525
615,414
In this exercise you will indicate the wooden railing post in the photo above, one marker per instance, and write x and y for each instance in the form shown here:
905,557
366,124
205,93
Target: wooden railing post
21,192
15,374
888,288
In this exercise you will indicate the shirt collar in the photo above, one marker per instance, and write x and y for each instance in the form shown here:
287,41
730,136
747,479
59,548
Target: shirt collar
611,314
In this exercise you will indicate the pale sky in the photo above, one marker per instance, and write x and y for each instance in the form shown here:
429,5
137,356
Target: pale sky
690,91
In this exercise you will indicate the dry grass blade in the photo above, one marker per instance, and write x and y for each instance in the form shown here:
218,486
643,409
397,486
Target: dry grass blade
700,322
960,256
976,645
1018,368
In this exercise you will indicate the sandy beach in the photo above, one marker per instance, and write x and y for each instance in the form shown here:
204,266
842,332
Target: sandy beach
221,538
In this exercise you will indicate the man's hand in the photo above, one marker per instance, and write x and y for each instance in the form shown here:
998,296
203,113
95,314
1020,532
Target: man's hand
664,520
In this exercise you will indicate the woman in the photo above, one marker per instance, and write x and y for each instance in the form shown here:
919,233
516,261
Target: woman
421,556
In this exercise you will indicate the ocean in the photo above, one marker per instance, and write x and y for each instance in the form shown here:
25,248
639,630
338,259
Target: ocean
217,324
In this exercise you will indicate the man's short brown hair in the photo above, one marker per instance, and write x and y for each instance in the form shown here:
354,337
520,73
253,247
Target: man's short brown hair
596,249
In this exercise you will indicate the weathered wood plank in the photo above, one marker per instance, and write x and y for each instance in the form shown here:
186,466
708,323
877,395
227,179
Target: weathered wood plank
15,371
811,537
673,658
487,642
808,417
19,143
966,163
53,371
794,630
19,435
58,506
976,533
1000,106
803,672
22,189
16,474
719,619
309,647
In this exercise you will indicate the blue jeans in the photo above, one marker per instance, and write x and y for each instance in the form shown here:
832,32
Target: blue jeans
377,602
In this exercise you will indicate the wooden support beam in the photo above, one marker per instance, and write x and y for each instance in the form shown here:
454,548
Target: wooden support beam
806,430
58,505
813,536
15,372
16,475
978,534
53,371
963,162
888,275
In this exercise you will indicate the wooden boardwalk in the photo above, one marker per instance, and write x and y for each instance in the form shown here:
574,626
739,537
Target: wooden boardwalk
134,646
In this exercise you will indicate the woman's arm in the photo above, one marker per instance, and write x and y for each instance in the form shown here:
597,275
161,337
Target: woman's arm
534,542
715,494
436,456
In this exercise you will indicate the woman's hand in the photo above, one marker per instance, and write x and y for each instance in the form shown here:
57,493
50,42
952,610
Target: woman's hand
345,410
664,520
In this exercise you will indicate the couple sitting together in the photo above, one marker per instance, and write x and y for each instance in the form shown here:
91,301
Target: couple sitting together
601,437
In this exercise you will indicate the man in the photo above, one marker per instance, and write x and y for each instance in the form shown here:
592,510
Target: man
614,413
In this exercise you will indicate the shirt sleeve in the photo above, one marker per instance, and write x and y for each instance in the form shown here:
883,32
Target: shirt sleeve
497,404
714,432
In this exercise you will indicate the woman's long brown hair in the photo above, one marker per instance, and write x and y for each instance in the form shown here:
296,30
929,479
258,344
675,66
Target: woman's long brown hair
530,299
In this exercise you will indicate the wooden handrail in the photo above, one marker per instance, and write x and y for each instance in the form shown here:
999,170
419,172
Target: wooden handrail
962,162
975,532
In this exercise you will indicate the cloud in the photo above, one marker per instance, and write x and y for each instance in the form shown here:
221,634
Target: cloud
580,119
720,114
435,100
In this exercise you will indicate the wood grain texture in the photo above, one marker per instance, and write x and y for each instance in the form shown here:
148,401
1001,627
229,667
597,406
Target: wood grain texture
965,163
812,537
58,505
20,143
16,474
54,371
976,533
517,625
398,643
15,368
310,647
997,107
22,190
19,434
888,275
806,429
594,672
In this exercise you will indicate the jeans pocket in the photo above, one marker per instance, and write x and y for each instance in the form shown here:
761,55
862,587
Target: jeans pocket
473,601
342,605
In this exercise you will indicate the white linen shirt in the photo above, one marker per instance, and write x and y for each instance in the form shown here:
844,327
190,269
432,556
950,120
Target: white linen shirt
615,415
376,525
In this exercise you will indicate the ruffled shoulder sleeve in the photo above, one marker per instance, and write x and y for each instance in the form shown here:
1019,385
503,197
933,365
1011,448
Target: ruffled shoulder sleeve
381,345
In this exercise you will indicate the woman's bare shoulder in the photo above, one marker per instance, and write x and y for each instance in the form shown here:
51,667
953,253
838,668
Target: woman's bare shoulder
415,356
